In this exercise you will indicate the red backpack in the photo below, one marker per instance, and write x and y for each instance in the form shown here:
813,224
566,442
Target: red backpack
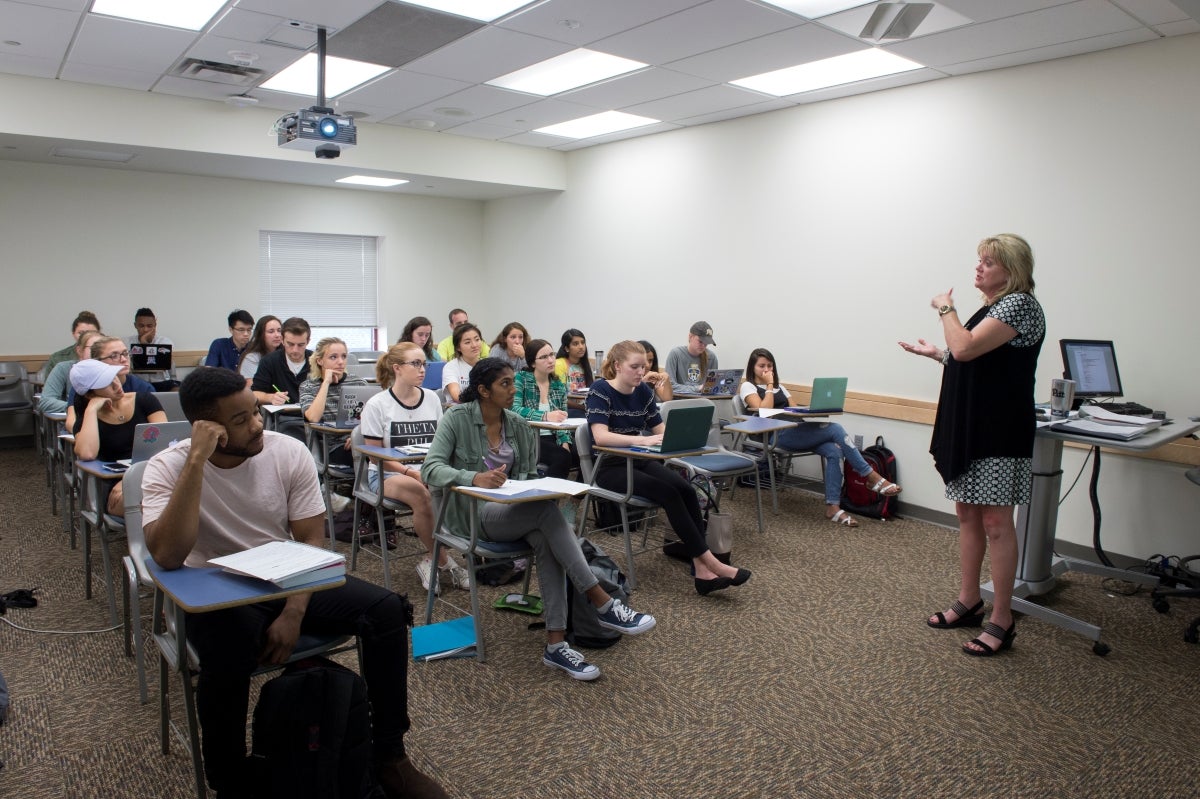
857,496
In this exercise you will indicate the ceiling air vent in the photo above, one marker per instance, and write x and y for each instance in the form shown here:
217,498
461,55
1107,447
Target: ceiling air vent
216,72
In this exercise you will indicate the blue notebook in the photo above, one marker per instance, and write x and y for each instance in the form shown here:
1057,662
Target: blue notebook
446,639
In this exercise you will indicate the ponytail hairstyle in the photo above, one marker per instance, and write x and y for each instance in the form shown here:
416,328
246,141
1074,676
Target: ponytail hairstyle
564,352
618,354
532,348
397,354
315,372
485,372
99,344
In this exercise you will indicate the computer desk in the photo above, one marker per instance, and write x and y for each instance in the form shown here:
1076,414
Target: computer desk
1037,566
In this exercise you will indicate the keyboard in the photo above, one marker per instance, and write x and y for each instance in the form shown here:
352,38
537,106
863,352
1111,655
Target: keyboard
1127,408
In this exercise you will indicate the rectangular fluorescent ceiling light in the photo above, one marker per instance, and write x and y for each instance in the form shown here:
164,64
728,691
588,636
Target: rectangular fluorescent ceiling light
815,8
91,155
189,14
567,71
367,180
597,125
849,68
482,10
341,75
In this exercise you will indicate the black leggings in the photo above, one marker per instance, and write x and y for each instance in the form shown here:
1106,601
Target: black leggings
666,488
552,455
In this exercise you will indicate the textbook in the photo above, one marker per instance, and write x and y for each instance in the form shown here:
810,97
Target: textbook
446,639
287,564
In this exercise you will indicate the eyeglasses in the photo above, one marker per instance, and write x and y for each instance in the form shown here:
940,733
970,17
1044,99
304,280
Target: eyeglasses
414,364
547,357
123,355
243,330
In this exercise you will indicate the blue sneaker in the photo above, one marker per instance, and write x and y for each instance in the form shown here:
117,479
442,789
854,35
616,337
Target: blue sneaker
564,657
625,620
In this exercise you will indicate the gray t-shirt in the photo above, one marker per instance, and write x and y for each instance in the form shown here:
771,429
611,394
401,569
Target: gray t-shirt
686,371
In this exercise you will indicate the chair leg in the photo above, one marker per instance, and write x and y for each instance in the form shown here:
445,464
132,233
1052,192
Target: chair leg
355,543
109,582
193,722
164,704
430,596
383,548
476,619
628,546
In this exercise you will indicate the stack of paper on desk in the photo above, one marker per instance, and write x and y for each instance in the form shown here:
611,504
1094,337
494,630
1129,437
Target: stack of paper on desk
1095,421
287,564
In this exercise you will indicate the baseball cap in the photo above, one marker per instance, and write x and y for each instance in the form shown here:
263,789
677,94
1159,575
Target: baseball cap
91,374
704,331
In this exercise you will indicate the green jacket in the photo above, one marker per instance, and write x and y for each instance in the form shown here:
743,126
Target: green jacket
527,399
456,456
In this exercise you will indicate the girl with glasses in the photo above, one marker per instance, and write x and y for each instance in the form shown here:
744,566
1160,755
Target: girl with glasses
542,396
115,352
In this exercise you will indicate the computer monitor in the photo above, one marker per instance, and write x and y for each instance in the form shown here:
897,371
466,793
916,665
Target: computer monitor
1093,367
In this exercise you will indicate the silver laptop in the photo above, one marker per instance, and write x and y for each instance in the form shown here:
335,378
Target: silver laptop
350,409
721,382
151,438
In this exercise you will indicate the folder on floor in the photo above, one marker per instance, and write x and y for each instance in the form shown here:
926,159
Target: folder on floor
446,639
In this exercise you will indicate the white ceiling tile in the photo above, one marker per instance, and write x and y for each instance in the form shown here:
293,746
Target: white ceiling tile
639,87
538,115
532,139
701,101
482,130
245,26
319,12
402,89
109,76
774,104
1179,28
987,10
1051,51
1079,20
189,87
715,24
32,67
270,59
42,32
1153,12
596,20
787,48
875,84
479,102
124,45
485,54
634,133
69,5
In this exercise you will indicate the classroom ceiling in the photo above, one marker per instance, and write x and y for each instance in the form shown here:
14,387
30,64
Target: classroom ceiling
440,63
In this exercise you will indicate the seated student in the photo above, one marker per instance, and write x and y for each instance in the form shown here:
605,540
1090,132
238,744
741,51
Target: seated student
419,331
321,393
227,352
106,418
85,320
267,337
541,395
54,392
482,443
280,373
763,390
402,414
620,408
688,366
655,375
146,324
468,346
232,486
574,368
445,347
112,351
509,346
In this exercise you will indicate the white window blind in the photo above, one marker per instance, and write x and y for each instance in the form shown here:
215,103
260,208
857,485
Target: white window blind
328,280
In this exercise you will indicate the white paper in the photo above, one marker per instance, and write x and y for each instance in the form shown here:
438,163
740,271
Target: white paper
1088,427
1099,414
278,560
769,412
553,484
566,424
290,406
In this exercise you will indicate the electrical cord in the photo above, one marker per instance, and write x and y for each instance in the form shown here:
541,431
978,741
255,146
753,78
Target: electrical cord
13,624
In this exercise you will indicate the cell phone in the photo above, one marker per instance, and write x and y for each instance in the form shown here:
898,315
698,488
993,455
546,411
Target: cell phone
115,467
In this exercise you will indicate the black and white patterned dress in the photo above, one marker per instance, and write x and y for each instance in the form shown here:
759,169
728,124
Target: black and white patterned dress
983,438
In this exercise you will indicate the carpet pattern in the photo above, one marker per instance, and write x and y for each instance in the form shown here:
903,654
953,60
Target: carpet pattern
818,678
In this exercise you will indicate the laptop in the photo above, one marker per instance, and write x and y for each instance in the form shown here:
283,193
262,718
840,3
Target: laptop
150,357
149,439
721,382
686,429
350,409
828,396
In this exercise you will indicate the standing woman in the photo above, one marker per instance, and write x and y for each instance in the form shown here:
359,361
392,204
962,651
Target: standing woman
482,443
321,393
620,407
106,418
468,346
655,375
403,414
540,395
419,331
983,434
763,390
574,368
266,338
509,346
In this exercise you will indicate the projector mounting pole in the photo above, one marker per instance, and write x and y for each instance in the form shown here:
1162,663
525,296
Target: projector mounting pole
321,67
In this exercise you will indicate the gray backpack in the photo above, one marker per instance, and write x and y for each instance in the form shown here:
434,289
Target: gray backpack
583,628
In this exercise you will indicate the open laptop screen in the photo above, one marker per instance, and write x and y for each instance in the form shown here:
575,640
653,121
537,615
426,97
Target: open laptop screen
1093,366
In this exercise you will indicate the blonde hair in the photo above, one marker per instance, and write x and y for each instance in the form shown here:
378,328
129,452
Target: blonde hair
82,339
397,354
314,369
99,344
619,353
1016,256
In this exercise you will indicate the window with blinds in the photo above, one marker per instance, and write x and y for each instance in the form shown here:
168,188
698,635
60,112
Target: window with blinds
329,280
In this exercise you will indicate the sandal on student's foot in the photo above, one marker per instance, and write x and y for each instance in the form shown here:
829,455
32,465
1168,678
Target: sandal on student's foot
996,631
967,617
885,488
843,518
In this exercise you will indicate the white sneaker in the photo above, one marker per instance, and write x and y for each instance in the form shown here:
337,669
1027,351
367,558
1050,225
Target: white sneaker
459,576
338,503
425,570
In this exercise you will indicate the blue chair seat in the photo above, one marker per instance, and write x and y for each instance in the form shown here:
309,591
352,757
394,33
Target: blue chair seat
716,463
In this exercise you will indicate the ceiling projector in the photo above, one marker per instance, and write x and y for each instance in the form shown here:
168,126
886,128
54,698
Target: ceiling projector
317,129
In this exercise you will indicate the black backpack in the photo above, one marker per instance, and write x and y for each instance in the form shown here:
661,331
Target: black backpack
857,496
583,628
312,734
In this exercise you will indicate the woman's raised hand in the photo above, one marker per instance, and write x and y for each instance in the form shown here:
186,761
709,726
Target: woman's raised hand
922,347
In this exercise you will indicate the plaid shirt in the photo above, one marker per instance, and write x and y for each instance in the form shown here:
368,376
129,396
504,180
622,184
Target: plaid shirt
528,398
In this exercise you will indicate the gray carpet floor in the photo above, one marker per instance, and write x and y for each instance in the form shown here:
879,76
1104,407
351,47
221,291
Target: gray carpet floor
818,678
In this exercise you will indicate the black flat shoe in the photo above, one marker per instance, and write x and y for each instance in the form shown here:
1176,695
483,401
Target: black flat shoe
742,576
706,587
996,631
967,617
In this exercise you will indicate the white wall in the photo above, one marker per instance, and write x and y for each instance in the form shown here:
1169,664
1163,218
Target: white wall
822,232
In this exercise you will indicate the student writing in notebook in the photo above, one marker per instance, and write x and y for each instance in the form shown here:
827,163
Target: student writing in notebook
762,389
482,443
620,407
539,396
656,376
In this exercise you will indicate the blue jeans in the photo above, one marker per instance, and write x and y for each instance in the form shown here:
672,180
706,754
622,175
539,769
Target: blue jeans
828,439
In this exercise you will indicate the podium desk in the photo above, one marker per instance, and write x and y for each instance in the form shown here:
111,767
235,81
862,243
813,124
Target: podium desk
1037,566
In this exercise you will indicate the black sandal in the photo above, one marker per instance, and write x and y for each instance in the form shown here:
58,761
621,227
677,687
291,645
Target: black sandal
996,631
967,617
